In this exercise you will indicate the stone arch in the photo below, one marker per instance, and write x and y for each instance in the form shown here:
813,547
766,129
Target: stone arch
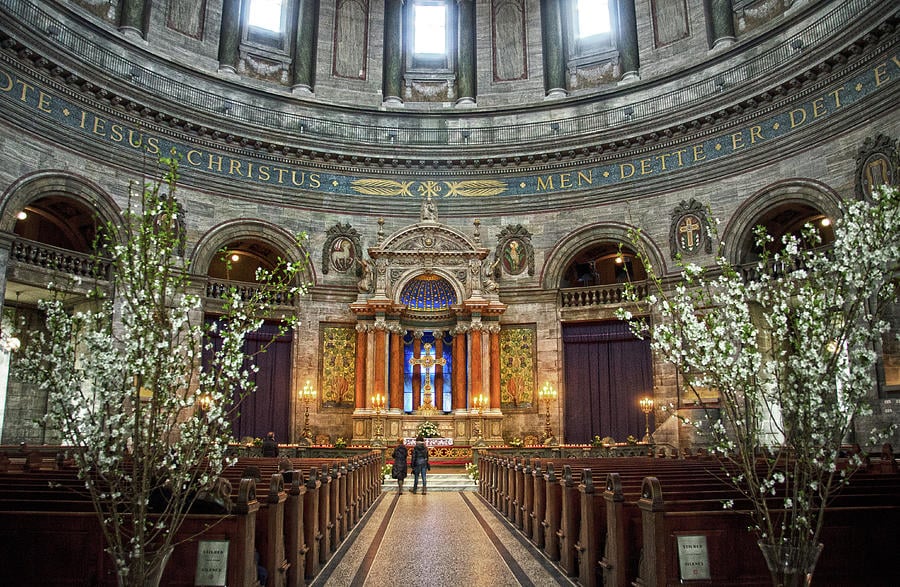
219,236
34,186
738,234
559,257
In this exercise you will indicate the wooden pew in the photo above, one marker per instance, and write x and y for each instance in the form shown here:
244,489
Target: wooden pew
73,543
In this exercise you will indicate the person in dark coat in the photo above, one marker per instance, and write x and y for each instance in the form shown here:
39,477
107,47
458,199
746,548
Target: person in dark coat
269,446
419,463
398,470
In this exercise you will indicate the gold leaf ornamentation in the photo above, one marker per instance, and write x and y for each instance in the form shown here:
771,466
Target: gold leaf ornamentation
381,187
476,187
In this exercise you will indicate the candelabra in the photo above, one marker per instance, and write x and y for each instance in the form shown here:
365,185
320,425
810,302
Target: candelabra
479,402
378,404
307,396
547,395
647,407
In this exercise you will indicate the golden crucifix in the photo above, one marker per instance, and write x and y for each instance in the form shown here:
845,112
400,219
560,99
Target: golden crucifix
427,360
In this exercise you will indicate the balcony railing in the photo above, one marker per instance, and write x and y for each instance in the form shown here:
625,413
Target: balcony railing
219,290
73,263
597,295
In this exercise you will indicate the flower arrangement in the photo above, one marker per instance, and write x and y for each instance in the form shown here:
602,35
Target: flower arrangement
340,443
385,470
516,442
788,345
598,442
472,471
631,439
428,429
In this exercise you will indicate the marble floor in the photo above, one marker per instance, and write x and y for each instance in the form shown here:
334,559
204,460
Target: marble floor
438,539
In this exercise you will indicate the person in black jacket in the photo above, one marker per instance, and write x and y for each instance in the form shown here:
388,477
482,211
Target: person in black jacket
398,469
269,446
419,463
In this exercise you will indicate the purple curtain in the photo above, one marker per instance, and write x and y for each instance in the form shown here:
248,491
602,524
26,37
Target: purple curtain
607,370
268,407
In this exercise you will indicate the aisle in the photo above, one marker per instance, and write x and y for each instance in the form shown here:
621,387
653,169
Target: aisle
439,539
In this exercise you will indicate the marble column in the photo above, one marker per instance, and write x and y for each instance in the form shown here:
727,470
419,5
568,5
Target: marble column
628,41
475,362
465,40
459,369
396,371
303,68
554,50
393,51
721,22
362,348
133,17
230,36
380,360
495,366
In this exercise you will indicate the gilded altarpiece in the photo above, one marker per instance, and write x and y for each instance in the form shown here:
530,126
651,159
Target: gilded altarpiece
338,366
517,368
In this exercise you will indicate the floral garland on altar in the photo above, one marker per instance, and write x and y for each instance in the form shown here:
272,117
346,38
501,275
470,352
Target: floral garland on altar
428,429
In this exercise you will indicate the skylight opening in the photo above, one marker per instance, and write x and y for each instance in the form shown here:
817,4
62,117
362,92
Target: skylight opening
265,14
592,18
430,29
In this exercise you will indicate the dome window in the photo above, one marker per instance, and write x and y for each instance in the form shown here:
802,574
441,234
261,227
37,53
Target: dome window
591,18
265,14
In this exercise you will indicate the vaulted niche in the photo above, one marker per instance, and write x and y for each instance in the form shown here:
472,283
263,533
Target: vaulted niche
602,264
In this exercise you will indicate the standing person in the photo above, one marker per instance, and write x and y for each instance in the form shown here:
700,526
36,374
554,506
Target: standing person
419,463
269,446
398,470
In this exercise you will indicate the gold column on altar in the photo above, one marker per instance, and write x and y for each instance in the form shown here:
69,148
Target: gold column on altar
439,371
362,340
495,366
416,372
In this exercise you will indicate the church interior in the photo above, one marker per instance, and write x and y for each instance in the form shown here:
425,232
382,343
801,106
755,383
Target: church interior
465,176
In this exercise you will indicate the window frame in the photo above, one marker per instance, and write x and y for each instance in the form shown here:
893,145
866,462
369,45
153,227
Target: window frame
439,66
592,49
267,43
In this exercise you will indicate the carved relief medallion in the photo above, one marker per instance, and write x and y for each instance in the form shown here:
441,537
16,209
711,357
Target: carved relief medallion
689,232
876,164
341,250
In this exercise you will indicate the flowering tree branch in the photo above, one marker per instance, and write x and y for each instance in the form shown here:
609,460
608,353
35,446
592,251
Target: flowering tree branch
129,388
790,348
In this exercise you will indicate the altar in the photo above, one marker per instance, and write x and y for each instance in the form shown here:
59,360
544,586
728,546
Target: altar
464,428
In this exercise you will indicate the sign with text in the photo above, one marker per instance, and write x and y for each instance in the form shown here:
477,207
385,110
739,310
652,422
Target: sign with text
429,442
693,558
212,563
